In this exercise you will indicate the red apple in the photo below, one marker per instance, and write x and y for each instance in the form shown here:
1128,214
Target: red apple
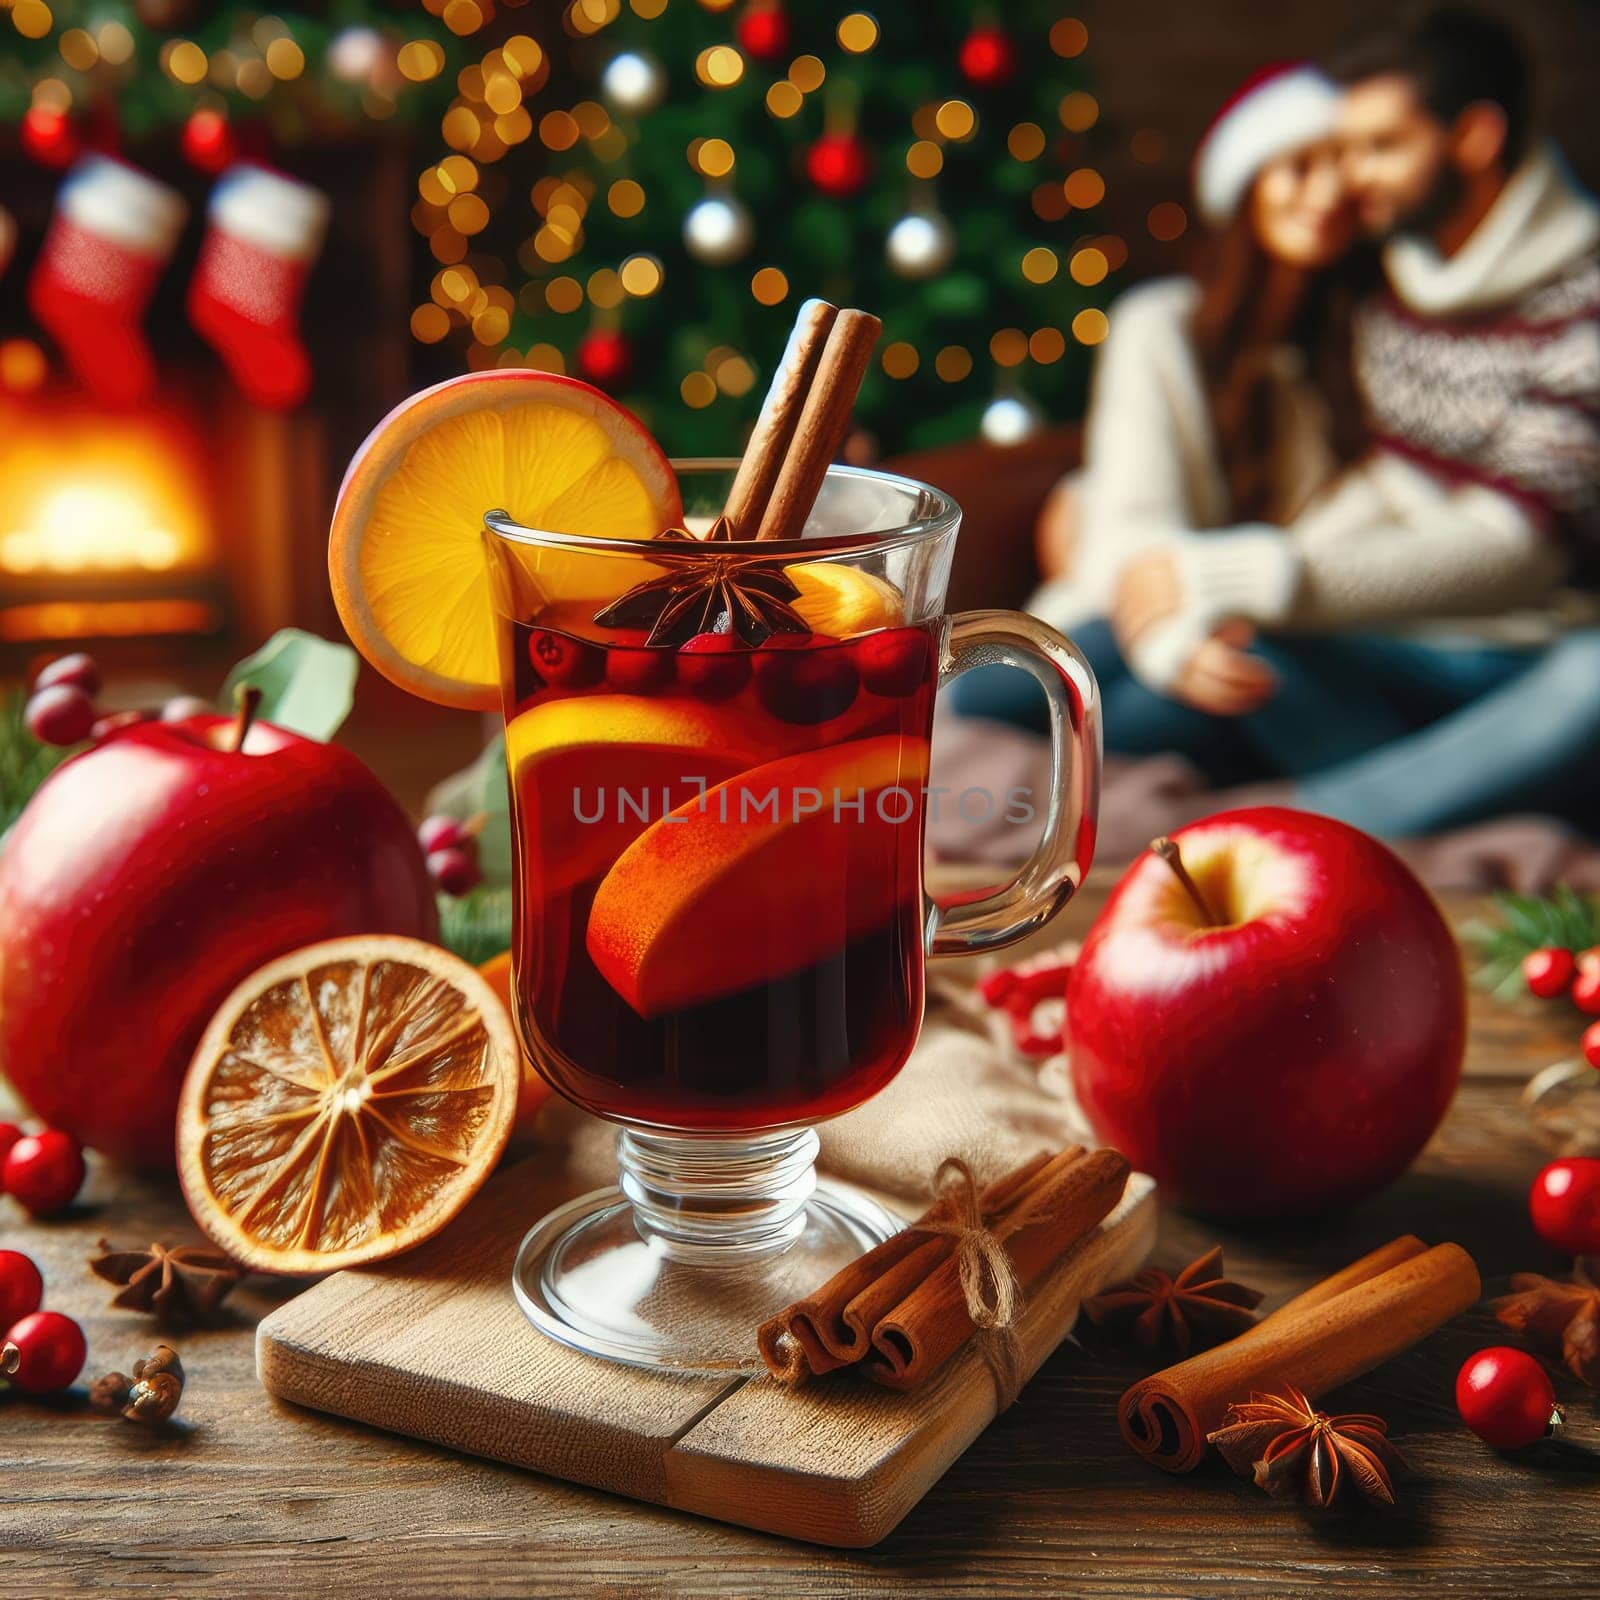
151,874
1287,1050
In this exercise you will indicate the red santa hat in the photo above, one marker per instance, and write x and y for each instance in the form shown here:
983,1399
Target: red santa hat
1274,111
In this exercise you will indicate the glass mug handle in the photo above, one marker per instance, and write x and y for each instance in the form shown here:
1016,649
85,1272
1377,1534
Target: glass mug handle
1056,870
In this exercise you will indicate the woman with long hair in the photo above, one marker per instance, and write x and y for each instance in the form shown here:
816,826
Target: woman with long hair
1223,399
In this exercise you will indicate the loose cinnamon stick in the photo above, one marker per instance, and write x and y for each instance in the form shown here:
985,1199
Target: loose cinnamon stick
780,413
833,1327
821,426
1061,1204
1345,1326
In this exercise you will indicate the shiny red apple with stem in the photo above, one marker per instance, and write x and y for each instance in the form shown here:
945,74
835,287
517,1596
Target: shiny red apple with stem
1269,1015
155,871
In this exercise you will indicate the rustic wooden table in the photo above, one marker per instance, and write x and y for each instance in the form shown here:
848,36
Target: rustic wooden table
249,1497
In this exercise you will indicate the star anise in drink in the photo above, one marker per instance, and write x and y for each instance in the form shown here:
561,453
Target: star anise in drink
1561,1318
742,595
1291,1449
1195,1310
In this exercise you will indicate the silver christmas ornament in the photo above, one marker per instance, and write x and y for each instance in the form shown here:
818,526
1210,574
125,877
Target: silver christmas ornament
717,230
1009,419
633,82
919,245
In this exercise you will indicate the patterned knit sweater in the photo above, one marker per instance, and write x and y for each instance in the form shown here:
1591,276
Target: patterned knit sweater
1508,397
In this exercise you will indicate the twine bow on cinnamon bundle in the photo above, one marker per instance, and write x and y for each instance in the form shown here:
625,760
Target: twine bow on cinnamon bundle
898,1313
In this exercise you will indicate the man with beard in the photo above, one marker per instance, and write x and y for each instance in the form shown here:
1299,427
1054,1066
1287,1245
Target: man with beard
1431,656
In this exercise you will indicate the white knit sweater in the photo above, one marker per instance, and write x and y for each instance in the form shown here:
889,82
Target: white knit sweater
1396,541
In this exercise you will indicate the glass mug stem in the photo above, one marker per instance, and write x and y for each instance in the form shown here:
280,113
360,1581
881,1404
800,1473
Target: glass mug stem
718,1202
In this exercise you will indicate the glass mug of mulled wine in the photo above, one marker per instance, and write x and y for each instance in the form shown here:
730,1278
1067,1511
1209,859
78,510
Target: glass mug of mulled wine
718,757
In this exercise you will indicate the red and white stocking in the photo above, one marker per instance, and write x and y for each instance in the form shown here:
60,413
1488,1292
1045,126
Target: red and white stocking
112,235
264,234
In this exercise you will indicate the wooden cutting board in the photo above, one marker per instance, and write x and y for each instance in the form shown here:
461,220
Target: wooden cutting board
435,1347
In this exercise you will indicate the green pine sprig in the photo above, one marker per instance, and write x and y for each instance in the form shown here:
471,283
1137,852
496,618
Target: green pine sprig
1564,920
24,762
476,926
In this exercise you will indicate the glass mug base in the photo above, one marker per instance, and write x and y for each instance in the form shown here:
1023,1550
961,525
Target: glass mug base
704,1239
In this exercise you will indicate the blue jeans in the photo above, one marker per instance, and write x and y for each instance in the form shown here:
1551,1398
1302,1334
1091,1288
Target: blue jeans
1395,735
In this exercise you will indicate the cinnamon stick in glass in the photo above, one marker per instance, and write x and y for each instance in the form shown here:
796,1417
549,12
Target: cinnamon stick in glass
1061,1204
780,414
1344,1326
833,1327
823,421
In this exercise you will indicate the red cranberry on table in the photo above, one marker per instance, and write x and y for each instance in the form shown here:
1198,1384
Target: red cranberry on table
713,666
440,833
566,662
9,1134
894,661
1547,972
1591,1044
454,870
79,670
1564,1204
1506,1398
805,678
21,1288
50,1352
61,714
1586,986
44,1171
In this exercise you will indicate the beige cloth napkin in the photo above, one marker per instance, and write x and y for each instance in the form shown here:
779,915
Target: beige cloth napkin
963,1092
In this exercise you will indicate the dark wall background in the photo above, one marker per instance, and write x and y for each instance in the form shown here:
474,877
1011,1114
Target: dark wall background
1167,65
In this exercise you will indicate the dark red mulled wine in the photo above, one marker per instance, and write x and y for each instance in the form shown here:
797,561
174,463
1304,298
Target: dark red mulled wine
719,915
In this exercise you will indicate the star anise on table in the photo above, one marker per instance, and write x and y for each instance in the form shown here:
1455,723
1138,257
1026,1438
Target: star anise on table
184,1283
1561,1318
1292,1449
741,595
1195,1310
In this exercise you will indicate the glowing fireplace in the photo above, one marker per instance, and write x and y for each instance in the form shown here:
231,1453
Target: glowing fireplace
106,528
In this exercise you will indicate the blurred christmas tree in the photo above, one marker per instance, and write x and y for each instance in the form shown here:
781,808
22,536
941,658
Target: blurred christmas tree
234,78
704,166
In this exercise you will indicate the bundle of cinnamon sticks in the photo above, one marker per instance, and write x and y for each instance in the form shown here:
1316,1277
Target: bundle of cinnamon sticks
1344,1326
803,422
898,1313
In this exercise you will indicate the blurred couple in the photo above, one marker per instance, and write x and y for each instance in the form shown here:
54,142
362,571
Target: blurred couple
1341,483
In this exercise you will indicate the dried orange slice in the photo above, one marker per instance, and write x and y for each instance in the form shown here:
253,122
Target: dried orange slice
405,551
345,1103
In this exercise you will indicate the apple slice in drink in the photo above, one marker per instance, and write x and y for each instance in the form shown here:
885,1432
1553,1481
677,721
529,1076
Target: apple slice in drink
767,874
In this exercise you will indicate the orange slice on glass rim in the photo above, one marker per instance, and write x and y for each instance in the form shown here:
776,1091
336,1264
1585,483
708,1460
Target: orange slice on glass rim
405,552
345,1103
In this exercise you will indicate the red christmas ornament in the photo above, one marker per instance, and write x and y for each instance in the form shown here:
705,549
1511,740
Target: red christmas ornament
763,31
987,58
605,359
838,164
1506,1398
208,142
49,137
